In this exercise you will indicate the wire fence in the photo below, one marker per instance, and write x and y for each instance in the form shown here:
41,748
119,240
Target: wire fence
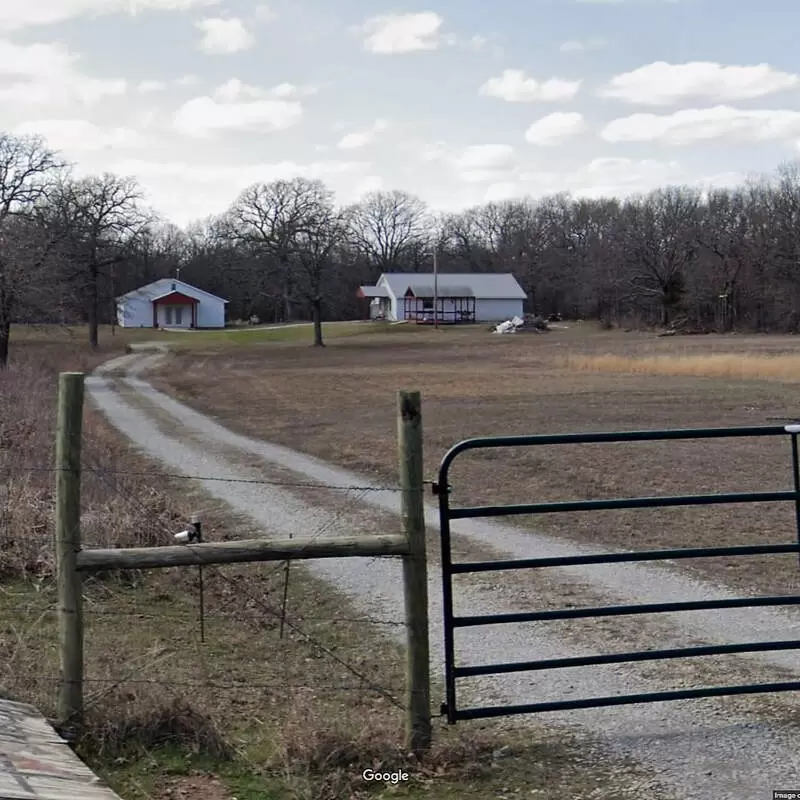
247,600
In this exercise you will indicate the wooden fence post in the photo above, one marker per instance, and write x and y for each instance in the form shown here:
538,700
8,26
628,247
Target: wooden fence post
415,573
68,543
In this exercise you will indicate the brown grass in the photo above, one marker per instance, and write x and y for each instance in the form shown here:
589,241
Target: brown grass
278,707
737,366
340,405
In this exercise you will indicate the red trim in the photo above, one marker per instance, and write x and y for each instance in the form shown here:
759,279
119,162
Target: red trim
175,299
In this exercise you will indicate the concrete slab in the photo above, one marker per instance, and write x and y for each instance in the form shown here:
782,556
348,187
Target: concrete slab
37,764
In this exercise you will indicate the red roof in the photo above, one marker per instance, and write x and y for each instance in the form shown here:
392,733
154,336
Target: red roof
175,298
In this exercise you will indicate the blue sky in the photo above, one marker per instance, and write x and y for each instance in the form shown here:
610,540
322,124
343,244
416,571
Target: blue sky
458,101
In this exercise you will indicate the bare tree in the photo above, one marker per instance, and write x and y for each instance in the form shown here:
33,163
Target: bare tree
662,243
28,169
315,243
266,219
387,228
103,215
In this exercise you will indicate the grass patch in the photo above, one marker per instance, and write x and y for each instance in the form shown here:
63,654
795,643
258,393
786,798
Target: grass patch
339,405
287,334
737,366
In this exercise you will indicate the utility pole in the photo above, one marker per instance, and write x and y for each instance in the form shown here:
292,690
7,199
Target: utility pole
435,290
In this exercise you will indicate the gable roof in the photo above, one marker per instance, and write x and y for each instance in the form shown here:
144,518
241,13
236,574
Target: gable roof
443,290
483,285
373,291
164,286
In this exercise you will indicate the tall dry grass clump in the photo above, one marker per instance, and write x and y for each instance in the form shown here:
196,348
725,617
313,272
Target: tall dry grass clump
117,509
783,367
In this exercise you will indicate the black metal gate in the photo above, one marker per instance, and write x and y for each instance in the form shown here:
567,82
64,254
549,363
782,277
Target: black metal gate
447,514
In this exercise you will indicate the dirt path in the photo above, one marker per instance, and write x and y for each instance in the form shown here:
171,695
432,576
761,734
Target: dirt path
725,749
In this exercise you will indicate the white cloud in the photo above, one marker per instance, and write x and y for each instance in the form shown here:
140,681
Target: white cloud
202,117
186,191
80,135
234,89
263,13
581,45
352,141
146,87
483,162
516,87
432,151
704,124
553,128
661,83
369,183
48,74
605,177
15,15
224,36
402,33
504,190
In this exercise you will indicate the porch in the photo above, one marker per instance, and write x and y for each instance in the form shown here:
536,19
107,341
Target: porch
454,305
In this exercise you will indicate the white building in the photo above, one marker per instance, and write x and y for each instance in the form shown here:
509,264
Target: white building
170,303
462,297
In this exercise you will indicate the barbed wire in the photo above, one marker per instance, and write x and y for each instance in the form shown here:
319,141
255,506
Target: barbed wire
267,608
233,686
107,476
189,615
212,478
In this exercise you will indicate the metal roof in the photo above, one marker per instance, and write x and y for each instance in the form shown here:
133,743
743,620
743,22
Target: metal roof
483,285
443,290
373,291
157,287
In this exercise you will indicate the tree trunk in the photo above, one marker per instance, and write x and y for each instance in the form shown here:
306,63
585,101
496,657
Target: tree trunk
316,312
93,309
5,335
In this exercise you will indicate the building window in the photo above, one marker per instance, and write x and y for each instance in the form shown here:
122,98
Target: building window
169,315
173,287
178,315
427,305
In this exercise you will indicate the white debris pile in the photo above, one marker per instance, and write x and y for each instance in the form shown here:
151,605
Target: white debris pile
510,325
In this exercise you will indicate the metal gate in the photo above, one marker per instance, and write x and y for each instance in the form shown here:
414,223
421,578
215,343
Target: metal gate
447,514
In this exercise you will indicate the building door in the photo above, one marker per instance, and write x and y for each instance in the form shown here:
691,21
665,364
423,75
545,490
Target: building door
178,315
168,311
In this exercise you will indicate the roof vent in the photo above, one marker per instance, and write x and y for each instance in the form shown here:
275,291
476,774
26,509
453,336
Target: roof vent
173,287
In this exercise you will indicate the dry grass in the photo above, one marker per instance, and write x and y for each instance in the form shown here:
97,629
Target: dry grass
340,405
28,394
271,717
736,366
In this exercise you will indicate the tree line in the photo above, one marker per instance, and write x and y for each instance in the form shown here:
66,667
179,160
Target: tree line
723,259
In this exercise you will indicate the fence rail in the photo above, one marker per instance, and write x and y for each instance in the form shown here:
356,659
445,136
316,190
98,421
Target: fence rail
73,562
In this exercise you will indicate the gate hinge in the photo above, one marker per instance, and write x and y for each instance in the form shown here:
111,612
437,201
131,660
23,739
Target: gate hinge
437,488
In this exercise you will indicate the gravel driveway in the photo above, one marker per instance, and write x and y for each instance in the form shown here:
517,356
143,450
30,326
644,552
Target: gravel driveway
721,749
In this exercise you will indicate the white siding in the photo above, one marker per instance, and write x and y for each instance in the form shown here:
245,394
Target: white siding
210,312
136,310
396,305
497,310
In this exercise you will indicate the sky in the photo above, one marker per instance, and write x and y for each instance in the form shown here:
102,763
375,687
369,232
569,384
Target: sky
457,101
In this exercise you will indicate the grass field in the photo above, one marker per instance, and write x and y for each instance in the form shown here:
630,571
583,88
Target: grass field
338,404
252,715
